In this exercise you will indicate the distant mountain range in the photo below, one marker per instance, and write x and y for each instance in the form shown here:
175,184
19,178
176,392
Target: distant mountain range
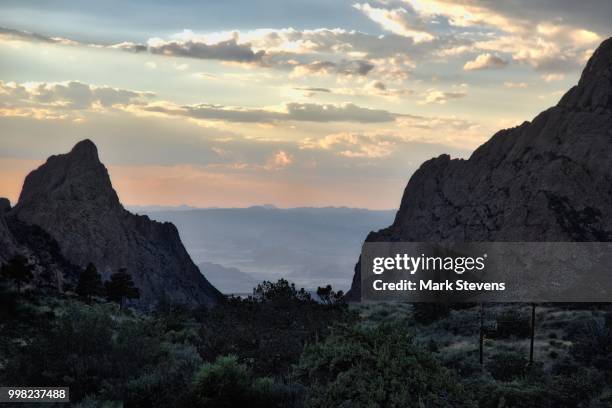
309,246
228,280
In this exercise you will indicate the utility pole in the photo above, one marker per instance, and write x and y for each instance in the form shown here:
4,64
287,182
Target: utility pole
481,345
533,309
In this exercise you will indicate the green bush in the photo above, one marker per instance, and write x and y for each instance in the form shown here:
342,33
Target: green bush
581,388
593,344
165,380
376,367
427,313
577,389
227,383
507,366
105,356
224,383
513,395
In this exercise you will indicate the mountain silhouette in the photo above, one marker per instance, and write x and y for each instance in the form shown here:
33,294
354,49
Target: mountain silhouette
546,180
71,198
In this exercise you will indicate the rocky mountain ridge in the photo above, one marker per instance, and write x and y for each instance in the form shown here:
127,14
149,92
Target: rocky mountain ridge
72,199
546,180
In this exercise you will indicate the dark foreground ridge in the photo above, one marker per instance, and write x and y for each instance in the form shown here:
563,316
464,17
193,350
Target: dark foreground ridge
72,199
546,180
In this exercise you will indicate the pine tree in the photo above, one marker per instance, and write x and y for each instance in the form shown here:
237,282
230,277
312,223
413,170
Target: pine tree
90,283
121,287
18,270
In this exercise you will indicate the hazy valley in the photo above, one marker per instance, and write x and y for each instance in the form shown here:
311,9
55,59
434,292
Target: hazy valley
309,246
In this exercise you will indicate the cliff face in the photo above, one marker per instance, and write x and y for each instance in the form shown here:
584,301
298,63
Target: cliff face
545,180
72,199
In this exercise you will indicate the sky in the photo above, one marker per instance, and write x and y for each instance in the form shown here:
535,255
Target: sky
291,103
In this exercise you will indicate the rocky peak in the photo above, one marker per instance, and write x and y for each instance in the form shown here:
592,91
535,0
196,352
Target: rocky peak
75,176
85,151
7,242
71,198
5,205
594,90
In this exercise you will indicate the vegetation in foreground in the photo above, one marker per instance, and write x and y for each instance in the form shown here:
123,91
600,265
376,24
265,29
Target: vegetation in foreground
281,348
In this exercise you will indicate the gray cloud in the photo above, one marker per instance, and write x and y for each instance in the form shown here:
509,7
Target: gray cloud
28,36
218,112
343,67
307,89
228,50
70,95
302,112
312,112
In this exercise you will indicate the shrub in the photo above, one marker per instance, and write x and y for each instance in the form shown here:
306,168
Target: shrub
379,366
227,383
465,364
515,395
427,313
266,393
577,389
224,383
165,381
592,343
507,366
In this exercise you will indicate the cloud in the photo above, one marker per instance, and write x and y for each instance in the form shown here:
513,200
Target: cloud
379,88
417,32
344,67
401,21
313,89
372,88
39,99
439,97
515,85
279,160
228,50
300,52
63,97
354,145
346,112
485,61
549,41
29,36
301,112
553,77
543,39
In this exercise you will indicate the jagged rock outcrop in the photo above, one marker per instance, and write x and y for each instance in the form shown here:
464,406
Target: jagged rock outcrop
8,246
71,198
50,269
546,180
